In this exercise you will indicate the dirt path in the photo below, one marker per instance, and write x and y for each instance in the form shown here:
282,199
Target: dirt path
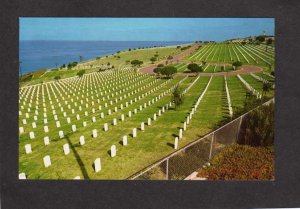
149,69
246,69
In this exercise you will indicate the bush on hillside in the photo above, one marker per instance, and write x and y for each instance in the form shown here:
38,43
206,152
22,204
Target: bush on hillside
239,162
193,67
257,128
80,73
168,71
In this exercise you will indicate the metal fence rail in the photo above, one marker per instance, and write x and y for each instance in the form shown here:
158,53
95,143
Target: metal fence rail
183,162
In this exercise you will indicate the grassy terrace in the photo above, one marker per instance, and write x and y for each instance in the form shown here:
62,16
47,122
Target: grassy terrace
256,84
237,92
225,53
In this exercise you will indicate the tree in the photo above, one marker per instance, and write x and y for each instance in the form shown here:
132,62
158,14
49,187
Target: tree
160,65
266,88
57,77
157,70
153,59
236,64
193,67
170,57
136,63
177,97
80,58
80,73
108,64
168,71
269,41
260,38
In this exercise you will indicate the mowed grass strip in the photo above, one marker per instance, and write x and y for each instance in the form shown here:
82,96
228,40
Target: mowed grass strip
212,109
237,92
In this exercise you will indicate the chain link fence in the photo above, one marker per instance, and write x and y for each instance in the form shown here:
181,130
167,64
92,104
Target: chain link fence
190,158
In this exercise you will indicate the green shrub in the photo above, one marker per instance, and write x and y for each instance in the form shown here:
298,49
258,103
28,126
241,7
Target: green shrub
240,162
57,77
81,73
257,128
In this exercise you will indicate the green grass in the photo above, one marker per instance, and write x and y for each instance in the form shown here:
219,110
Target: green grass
237,92
225,53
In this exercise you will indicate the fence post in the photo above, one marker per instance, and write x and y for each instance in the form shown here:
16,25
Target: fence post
211,144
167,170
239,127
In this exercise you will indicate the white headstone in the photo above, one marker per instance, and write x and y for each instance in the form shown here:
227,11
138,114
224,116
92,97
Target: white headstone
105,127
113,151
115,122
61,134
159,112
28,148
142,126
84,123
24,121
154,117
122,117
134,133
46,129
46,140
22,176
94,119
176,143
21,129
184,126
129,114
102,115
57,124
149,122
95,133
66,149
47,161
81,140
97,165
31,135
68,120
180,133
124,140
45,121
77,178
73,128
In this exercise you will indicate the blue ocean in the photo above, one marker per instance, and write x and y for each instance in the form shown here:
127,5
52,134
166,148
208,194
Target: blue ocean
36,55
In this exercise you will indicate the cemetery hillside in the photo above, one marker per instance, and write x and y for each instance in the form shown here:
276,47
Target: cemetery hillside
140,113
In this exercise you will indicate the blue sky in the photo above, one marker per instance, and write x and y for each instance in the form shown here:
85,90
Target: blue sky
143,29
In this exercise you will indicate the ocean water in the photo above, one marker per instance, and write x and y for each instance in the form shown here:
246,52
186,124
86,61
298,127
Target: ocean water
36,55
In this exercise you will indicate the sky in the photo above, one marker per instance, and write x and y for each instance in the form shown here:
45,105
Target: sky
143,29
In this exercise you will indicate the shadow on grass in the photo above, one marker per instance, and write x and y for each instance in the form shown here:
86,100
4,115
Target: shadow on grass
79,161
170,144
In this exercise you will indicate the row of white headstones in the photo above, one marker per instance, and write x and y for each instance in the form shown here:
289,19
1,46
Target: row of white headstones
109,112
191,113
86,113
249,87
97,162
